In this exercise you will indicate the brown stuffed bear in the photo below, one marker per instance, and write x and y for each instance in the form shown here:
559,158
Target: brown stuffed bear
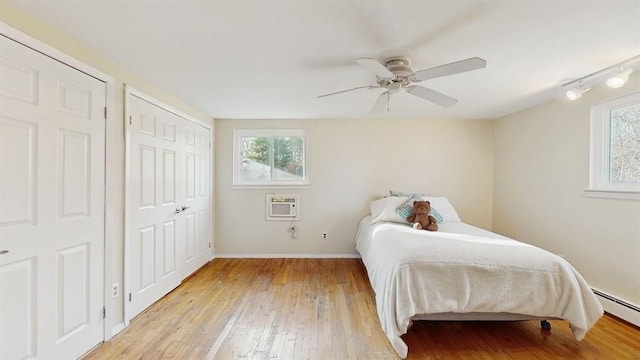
420,217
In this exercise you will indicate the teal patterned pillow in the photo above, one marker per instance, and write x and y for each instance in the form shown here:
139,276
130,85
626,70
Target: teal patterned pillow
404,210
436,215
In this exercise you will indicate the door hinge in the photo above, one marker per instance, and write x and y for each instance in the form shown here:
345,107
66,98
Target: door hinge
129,120
209,245
105,112
104,312
129,297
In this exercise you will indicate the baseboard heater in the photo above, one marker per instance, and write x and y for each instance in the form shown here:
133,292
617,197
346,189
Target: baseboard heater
619,308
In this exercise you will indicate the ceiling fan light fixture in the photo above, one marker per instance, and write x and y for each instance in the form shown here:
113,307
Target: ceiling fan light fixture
619,79
576,92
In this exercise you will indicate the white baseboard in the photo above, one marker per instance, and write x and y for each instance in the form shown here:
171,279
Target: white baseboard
619,308
288,256
116,329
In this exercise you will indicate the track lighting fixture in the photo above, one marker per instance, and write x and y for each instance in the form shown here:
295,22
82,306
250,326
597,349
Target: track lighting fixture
619,79
579,86
577,91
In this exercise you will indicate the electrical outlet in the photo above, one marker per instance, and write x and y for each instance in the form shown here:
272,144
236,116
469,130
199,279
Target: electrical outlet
324,236
115,290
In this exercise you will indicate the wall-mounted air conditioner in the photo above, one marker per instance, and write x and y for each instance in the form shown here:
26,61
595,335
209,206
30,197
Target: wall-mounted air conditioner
283,207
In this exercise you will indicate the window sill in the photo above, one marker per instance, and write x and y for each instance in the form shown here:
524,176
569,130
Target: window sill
612,194
270,187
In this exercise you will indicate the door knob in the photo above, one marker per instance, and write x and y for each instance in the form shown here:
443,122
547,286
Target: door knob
178,210
184,208
2,252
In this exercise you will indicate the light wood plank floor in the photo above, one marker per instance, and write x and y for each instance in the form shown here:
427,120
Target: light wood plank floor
325,309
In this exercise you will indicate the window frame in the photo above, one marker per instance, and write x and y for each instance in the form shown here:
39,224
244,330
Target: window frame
599,166
237,158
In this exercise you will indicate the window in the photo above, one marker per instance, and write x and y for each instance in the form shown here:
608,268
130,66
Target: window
615,147
269,157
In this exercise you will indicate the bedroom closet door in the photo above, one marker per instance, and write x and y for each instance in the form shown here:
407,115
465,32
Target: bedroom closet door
168,204
197,197
52,132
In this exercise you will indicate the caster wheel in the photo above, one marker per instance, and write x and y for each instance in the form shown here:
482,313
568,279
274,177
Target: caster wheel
545,325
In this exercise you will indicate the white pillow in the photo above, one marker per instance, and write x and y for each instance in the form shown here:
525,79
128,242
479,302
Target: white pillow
403,193
444,207
384,210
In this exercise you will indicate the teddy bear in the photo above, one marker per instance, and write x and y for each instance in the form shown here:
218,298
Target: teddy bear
420,217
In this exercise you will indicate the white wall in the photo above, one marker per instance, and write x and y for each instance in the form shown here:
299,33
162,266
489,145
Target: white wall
541,168
25,23
350,163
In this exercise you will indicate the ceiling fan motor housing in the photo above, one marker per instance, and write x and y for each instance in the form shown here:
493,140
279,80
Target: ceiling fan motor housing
401,68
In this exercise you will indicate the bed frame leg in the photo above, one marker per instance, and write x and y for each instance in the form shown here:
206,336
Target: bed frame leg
545,325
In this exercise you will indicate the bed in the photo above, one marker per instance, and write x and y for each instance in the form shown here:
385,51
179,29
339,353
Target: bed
462,272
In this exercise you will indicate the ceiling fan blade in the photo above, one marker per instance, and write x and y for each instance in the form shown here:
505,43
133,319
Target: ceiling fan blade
457,67
431,95
382,103
375,66
352,89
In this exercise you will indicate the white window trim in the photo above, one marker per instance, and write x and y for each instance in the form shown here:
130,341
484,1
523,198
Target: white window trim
238,183
628,195
599,184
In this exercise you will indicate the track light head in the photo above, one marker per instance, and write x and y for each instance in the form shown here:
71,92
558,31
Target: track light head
576,92
619,79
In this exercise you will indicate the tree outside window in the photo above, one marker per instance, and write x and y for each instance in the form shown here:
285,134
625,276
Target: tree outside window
624,144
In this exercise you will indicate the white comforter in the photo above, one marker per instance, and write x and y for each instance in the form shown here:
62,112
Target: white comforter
463,269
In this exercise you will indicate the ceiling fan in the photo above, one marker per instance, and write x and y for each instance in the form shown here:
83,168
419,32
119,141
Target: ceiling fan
396,74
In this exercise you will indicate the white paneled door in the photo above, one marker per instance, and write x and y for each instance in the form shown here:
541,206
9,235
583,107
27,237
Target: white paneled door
168,211
52,129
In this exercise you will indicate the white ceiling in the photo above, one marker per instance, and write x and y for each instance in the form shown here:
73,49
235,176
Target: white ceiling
241,59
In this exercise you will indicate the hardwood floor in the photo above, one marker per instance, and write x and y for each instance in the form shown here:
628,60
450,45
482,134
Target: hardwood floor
325,309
